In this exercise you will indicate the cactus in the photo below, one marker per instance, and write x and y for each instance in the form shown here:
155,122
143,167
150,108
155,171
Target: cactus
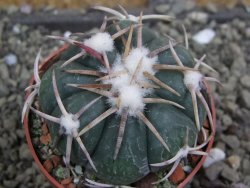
124,101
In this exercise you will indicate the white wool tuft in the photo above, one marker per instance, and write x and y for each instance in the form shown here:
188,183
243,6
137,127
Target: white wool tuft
192,79
131,98
101,42
68,123
134,58
121,80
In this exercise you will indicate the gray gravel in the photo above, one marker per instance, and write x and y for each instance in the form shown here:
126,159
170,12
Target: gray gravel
228,53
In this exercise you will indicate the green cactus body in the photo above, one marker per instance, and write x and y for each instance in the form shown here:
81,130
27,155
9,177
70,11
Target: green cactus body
139,147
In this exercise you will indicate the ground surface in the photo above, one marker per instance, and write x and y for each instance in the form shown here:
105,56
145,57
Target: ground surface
228,53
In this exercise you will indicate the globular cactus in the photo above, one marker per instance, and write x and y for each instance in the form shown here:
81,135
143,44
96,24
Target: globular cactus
125,101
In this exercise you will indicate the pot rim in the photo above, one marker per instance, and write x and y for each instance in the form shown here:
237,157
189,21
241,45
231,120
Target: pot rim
44,66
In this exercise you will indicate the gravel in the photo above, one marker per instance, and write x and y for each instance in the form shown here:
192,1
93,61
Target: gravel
228,53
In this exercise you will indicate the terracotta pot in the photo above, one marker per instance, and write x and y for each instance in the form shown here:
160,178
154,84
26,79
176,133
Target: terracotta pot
145,182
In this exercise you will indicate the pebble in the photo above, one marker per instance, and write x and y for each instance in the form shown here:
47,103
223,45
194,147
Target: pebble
245,98
231,140
227,120
24,152
204,36
78,169
4,72
245,166
247,180
10,59
246,145
179,6
16,29
4,90
9,123
214,155
245,81
26,9
162,8
213,171
239,185
200,17
234,161
239,66
248,32
230,174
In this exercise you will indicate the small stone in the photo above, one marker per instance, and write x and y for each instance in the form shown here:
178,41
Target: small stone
245,81
230,174
48,165
246,145
247,180
10,59
66,181
16,29
213,171
78,169
26,9
231,140
3,143
234,161
11,171
204,36
214,155
25,74
245,166
200,17
245,98
162,8
55,160
76,180
24,152
4,72
239,185
10,123
45,139
231,106
178,175
248,32
71,185
211,7
179,6
4,90
227,120
10,183
238,67
221,145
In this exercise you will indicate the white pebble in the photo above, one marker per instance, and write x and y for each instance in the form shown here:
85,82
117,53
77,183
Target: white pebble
26,9
76,180
205,36
10,59
78,169
214,156
16,29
